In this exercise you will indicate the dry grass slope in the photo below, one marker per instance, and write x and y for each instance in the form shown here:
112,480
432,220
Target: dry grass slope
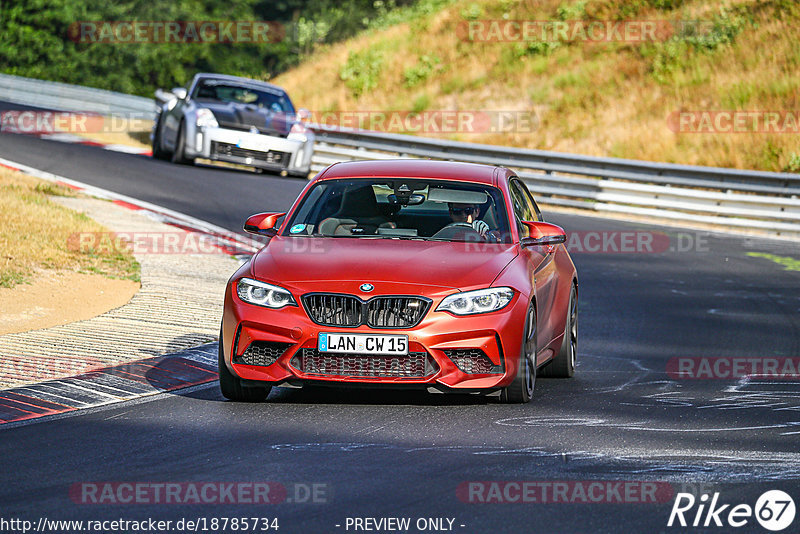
604,99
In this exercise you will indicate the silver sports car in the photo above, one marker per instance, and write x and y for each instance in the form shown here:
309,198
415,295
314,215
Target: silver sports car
232,119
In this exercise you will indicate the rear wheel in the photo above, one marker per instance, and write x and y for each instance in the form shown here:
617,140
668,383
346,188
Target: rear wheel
521,388
232,386
563,365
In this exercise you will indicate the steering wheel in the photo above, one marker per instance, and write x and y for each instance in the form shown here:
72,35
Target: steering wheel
465,225
454,224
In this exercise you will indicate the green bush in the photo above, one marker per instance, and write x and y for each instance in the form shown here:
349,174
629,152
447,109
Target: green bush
472,12
361,71
690,39
794,163
571,10
421,103
420,72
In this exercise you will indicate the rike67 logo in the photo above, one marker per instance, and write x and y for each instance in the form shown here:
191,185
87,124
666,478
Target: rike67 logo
774,510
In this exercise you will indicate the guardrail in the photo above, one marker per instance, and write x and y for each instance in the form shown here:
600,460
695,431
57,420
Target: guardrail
731,198
68,97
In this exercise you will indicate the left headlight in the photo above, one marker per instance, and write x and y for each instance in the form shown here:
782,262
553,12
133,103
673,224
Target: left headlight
298,132
480,301
205,117
261,294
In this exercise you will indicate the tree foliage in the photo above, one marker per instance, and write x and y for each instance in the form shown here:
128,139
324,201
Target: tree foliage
39,41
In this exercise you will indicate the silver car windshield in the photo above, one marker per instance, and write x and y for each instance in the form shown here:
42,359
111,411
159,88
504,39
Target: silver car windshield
212,91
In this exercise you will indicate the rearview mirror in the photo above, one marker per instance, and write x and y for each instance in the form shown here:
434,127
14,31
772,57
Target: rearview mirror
263,224
179,92
303,115
542,233
406,200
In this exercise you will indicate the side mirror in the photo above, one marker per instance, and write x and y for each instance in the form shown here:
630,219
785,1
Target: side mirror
543,233
263,224
303,115
179,92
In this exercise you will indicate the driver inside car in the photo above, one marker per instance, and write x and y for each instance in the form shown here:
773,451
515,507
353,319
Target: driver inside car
468,214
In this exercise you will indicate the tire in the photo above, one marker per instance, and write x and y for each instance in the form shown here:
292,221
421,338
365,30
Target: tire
158,152
520,390
563,365
232,387
179,154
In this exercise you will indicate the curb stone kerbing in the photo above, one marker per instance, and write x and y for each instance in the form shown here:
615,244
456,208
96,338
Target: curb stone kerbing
135,344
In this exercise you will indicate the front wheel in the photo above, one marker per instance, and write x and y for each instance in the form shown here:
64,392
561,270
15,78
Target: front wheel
563,365
179,154
232,387
520,390
158,151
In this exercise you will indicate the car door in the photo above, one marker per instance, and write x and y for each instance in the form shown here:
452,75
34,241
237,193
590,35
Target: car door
542,267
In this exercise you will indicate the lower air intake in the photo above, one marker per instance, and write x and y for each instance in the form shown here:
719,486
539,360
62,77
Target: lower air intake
472,361
262,353
412,365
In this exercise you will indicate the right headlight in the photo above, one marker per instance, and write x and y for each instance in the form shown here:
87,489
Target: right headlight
205,117
479,301
263,294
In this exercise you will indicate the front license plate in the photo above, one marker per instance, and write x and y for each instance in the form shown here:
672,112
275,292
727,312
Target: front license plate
251,144
362,343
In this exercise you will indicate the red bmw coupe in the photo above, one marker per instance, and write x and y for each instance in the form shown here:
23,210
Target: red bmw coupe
403,273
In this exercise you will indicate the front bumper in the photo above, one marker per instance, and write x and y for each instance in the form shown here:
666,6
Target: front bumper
437,338
291,154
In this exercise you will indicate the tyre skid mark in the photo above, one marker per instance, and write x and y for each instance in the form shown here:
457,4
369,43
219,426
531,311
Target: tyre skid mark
142,378
674,464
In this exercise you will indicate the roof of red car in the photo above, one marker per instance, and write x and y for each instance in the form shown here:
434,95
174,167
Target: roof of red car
414,168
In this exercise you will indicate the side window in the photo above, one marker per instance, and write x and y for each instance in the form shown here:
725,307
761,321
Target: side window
522,208
532,211
535,208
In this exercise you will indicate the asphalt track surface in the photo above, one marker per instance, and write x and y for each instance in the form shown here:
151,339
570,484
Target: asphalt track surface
623,417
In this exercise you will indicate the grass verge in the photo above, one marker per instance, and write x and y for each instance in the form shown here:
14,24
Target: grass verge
35,232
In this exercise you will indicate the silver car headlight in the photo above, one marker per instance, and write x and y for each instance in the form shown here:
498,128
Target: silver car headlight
479,301
298,132
205,118
261,294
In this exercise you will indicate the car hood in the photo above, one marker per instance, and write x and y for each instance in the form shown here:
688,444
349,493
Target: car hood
334,264
246,116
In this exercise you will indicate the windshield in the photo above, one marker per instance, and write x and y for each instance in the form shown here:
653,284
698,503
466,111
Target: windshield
215,91
402,208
